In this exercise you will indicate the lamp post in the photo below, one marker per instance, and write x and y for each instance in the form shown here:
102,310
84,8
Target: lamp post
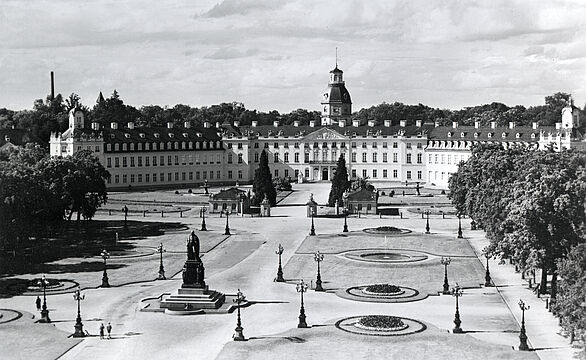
445,261
457,292
238,335
78,296
227,230
203,220
312,231
487,279
345,220
44,312
522,335
280,269
161,250
301,288
460,236
125,209
105,255
318,257
427,222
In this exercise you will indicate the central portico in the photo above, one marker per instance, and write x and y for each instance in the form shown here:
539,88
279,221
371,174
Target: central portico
325,146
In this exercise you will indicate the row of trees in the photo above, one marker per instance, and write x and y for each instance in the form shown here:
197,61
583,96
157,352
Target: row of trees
51,115
531,205
38,192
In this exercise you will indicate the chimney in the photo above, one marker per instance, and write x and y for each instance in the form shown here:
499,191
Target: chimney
371,123
511,124
356,123
254,123
311,123
455,124
236,123
342,123
95,126
558,126
477,124
217,124
52,86
186,125
418,123
206,124
535,125
276,123
387,123
436,123
403,123
493,124
131,125
114,125
169,125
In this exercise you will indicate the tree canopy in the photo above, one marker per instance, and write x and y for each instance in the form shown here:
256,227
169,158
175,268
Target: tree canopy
340,183
263,182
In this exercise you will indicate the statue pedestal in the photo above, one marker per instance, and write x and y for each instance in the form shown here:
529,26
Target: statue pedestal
193,299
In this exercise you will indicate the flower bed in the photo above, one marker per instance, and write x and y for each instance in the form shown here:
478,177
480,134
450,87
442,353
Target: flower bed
388,229
381,323
383,289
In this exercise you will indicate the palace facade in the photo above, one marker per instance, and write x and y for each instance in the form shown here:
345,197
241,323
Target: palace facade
228,153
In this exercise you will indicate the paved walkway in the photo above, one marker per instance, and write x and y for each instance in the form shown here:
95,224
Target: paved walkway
543,330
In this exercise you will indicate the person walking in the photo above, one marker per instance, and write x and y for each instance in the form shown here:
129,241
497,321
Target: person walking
38,303
109,329
102,331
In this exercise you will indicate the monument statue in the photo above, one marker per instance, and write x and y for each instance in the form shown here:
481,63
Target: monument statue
193,270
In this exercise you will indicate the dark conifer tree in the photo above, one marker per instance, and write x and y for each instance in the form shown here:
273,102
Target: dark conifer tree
263,182
340,183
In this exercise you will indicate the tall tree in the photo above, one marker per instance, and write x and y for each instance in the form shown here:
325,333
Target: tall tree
263,182
340,183
572,289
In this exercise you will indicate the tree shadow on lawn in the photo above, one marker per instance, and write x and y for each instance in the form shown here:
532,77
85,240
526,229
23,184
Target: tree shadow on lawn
81,240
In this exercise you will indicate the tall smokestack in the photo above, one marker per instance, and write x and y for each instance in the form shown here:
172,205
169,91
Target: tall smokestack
52,86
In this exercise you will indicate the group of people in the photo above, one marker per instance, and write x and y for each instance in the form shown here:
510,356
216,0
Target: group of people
108,327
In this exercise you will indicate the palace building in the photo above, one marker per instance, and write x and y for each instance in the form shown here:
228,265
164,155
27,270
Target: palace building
229,153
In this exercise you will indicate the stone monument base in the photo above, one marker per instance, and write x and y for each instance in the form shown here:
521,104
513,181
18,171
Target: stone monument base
192,299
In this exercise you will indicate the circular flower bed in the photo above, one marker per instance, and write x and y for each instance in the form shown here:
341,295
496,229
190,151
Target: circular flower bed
51,283
388,229
381,323
383,289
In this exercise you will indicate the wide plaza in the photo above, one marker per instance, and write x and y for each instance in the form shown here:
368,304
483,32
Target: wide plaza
246,260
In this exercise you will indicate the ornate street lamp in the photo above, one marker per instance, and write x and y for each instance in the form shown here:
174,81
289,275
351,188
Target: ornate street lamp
460,236
44,312
318,257
301,288
105,255
445,261
457,292
427,223
487,279
161,250
522,335
227,230
238,335
78,296
345,220
312,231
280,269
203,220
125,209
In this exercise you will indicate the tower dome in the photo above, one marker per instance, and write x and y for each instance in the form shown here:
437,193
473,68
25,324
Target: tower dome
336,103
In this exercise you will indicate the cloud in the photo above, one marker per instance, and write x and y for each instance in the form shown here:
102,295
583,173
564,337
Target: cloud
230,53
240,7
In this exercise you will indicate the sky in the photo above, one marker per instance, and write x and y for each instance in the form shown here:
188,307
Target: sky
276,54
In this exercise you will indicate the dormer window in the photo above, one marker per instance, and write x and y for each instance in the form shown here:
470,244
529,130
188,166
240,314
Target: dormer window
141,135
157,135
171,135
449,134
190,145
139,146
146,146
183,145
127,136
489,135
198,134
462,134
504,135
176,145
197,145
517,135
112,136
476,135
185,135
533,136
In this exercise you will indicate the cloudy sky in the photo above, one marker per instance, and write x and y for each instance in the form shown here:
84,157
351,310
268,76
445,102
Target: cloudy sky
272,54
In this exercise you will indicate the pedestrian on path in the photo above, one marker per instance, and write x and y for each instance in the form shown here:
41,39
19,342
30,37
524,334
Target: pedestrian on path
109,328
38,303
102,331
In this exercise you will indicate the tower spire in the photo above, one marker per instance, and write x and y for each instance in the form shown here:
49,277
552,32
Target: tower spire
336,56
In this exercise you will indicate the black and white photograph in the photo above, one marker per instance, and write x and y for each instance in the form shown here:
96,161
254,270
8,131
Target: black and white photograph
289,179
